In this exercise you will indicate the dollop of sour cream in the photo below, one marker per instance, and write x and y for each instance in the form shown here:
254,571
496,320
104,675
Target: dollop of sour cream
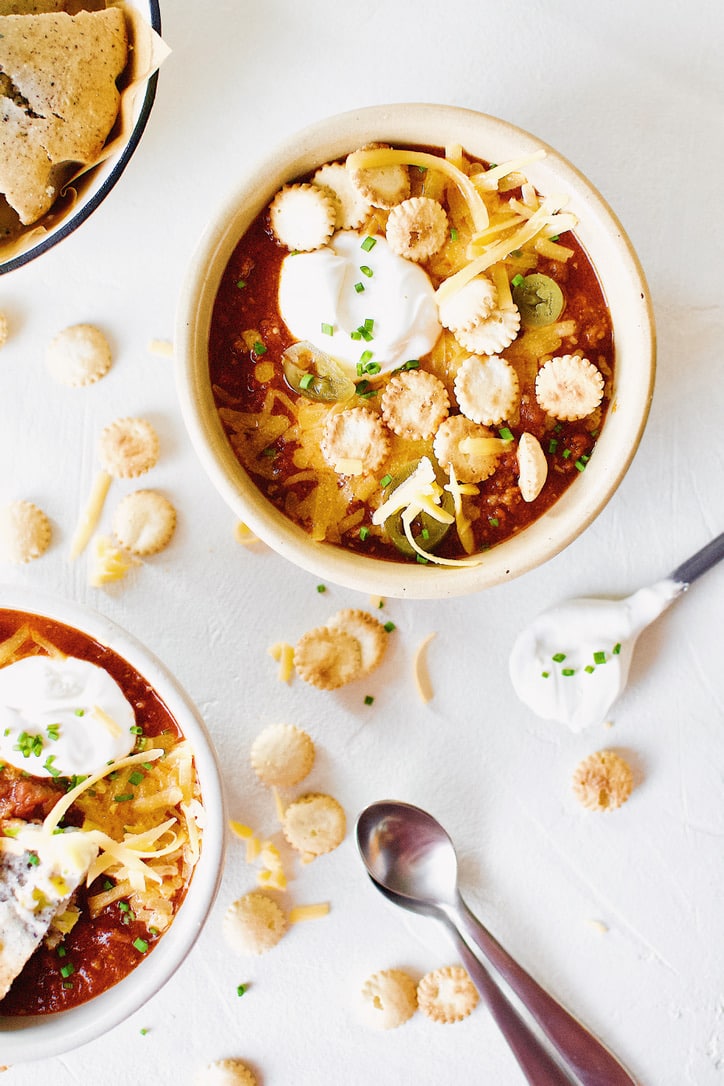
572,662
62,717
396,305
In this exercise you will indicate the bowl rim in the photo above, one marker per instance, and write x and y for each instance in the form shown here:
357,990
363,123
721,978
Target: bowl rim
41,1036
406,122
76,218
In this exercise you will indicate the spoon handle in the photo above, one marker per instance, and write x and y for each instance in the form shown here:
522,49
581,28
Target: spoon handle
535,1062
582,1052
700,562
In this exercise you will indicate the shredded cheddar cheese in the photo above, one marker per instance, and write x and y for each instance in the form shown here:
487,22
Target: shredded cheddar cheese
91,514
420,671
308,912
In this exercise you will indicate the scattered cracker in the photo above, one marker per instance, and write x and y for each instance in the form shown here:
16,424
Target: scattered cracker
532,467
79,355
447,994
128,448
417,228
603,781
367,631
327,658
383,186
24,532
226,1073
3,330
302,217
469,467
355,435
569,387
414,403
389,999
492,334
254,923
314,824
486,389
144,522
282,755
351,206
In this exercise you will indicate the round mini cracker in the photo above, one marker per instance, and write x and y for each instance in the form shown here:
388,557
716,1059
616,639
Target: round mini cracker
282,755
389,999
314,824
367,631
254,923
25,532
128,448
414,403
447,994
79,355
226,1073
469,467
144,522
603,781
327,658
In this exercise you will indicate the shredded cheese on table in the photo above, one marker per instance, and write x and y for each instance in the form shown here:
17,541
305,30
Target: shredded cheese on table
91,514
422,676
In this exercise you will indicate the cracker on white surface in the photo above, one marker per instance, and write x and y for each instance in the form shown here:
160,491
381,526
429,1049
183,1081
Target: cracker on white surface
144,522
25,532
389,999
314,824
79,355
128,448
254,924
226,1073
447,994
282,755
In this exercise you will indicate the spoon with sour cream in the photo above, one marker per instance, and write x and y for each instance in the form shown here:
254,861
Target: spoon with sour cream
572,662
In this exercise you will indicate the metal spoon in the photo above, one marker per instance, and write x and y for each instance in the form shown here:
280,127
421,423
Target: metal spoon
412,859
534,1060
571,662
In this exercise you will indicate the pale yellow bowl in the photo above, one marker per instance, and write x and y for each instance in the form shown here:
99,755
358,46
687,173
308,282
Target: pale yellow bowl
622,280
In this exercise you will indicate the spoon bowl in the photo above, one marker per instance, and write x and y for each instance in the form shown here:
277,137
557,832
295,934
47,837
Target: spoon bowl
411,859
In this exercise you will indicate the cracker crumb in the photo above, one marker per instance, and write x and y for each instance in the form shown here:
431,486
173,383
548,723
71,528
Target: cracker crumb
603,781
447,994
161,347
389,999
25,532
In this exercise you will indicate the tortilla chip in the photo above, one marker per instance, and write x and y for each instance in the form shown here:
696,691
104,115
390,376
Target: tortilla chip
58,99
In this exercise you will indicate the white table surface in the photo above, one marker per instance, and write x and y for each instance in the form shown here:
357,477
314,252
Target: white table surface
633,93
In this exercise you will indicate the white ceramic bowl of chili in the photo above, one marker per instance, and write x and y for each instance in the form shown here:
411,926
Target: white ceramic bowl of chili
621,278
35,1037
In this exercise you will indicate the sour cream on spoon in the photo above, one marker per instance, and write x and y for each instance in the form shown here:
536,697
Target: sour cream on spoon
62,717
572,662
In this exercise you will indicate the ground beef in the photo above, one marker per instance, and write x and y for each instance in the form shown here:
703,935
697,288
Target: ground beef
29,798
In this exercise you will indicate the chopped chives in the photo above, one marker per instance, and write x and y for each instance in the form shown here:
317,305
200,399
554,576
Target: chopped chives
385,480
124,906
505,433
453,233
153,931
355,335
568,671
368,324
135,777
425,533
616,648
123,797
517,280
493,522
33,859
421,561
321,588
545,674
581,465
141,945
559,657
412,364
259,347
373,367
566,453
241,283
359,287
143,1031
67,984
108,885
364,532
589,669
240,989
552,445
389,626
136,729
61,951
365,357
599,657
366,270
368,699
369,243
555,237
67,970
327,329
306,380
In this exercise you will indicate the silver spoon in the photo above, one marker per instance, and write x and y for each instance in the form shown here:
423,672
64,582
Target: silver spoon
534,1060
412,859
571,663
